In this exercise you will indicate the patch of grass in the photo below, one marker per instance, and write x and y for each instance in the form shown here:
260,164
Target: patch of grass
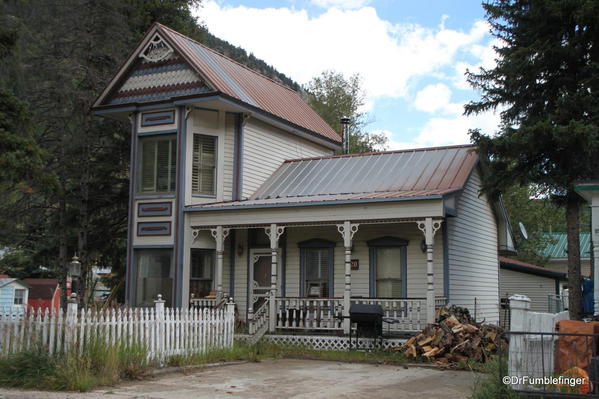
489,385
97,364
262,350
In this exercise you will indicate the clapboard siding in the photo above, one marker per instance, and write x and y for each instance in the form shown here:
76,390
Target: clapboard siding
537,288
472,253
360,278
228,157
7,295
241,273
265,148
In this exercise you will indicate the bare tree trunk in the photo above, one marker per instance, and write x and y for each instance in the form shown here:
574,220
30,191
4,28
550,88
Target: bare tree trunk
574,277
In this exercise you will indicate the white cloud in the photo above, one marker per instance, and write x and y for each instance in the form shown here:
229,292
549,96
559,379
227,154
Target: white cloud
350,37
388,56
433,98
346,4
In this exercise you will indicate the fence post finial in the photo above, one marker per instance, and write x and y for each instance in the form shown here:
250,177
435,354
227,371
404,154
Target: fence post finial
230,306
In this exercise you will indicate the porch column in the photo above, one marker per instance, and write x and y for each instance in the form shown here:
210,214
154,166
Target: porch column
429,227
347,230
219,234
273,232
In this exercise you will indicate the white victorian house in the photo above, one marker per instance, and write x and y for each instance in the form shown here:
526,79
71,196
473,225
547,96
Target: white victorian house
236,190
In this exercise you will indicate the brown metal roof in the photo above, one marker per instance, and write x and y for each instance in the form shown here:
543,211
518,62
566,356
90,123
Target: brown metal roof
407,174
247,85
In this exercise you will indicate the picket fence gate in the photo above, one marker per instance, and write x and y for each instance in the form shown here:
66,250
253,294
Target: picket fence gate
163,332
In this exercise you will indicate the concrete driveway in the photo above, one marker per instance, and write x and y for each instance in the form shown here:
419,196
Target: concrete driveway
286,378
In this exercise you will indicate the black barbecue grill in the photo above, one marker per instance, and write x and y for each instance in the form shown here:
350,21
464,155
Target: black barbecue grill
368,320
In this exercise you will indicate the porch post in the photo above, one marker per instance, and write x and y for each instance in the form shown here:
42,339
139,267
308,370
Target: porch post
273,232
429,227
347,230
219,234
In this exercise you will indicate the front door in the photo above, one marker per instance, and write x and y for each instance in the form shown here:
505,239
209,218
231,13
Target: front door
260,265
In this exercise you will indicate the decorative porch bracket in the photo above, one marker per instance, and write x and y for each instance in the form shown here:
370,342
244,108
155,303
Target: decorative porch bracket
219,234
429,227
347,230
273,232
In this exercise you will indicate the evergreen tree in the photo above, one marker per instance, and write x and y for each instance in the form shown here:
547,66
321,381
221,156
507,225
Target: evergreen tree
546,86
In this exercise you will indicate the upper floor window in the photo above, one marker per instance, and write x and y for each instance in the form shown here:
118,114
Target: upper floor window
158,161
203,176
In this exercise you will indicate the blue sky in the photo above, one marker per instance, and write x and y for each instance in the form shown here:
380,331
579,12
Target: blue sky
411,55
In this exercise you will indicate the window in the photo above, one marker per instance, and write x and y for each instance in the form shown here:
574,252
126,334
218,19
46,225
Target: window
388,269
154,276
158,161
203,174
19,296
202,272
316,262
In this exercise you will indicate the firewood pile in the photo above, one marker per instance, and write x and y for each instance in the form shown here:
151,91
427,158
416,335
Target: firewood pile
454,338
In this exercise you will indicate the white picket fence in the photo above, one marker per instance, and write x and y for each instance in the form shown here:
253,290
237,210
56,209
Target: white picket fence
162,331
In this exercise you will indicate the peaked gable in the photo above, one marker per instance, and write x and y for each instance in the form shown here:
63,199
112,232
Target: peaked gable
158,73
167,65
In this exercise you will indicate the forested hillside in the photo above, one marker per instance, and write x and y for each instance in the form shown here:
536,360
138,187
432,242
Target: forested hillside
64,172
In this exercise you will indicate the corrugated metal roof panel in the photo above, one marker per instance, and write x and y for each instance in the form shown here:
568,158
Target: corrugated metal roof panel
394,171
557,246
421,172
240,82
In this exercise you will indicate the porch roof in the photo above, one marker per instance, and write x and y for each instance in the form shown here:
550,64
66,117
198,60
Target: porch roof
417,174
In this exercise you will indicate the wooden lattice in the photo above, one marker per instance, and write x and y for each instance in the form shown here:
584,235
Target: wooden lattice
320,342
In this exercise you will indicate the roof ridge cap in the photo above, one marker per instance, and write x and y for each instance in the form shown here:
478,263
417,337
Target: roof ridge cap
438,148
225,57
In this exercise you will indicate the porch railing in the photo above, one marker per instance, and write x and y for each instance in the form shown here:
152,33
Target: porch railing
309,313
259,319
409,314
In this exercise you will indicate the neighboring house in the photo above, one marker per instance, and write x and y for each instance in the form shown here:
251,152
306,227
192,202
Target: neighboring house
14,294
556,252
536,282
235,189
44,293
101,291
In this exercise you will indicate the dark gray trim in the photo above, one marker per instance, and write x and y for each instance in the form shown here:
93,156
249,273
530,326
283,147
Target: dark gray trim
157,132
147,209
314,203
267,116
158,246
317,243
387,242
445,259
154,196
249,283
179,238
232,255
203,196
238,158
146,229
132,189
158,118
283,247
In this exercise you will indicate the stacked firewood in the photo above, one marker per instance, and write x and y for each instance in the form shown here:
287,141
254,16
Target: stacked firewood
454,338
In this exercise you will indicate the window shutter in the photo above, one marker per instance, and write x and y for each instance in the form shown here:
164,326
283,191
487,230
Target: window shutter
204,164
